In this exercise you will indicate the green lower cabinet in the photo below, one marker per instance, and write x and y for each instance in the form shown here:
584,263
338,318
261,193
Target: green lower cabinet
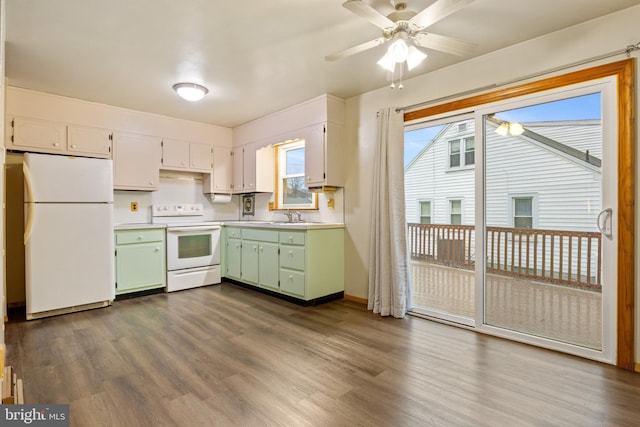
249,261
303,264
268,265
140,260
233,258
292,282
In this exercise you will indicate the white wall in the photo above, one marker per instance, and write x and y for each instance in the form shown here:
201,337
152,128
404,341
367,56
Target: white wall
587,40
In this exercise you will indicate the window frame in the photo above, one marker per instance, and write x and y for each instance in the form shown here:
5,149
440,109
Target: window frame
462,153
281,158
420,202
449,213
511,208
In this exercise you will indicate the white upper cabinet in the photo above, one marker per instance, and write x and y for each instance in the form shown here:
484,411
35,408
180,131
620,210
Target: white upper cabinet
89,141
136,162
200,156
253,170
35,135
221,180
183,155
319,122
324,155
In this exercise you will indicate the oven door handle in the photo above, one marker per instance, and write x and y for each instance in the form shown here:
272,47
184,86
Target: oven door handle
192,229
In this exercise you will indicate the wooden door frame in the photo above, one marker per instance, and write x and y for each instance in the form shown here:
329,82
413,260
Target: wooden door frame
624,71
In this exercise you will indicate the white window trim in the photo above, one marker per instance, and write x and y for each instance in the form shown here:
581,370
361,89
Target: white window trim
534,207
282,166
463,149
462,216
419,207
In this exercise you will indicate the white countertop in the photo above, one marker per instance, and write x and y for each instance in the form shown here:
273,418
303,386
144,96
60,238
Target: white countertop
284,225
137,226
256,224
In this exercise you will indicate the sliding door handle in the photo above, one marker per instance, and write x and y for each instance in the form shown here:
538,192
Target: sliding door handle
605,217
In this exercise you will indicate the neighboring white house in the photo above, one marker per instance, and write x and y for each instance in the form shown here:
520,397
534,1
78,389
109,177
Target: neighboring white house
547,178
540,179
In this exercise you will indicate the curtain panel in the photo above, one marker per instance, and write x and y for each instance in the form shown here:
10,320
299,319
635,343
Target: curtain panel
389,287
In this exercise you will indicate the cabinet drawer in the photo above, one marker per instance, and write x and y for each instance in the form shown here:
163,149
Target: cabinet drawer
260,235
292,282
234,233
292,257
292,237
139,236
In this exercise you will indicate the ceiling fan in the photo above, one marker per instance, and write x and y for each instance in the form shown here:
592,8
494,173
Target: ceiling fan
406,29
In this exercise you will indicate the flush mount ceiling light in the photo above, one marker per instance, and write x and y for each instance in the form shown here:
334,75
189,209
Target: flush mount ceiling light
190,91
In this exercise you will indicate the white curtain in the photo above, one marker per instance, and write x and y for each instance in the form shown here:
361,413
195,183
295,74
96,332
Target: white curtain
389,289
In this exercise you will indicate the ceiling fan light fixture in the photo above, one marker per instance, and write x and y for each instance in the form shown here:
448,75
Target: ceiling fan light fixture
190,91
414,57
516,129
510,128
399,50
387,62
503,129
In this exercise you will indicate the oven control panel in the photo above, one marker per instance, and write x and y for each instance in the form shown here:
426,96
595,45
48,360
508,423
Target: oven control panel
178,209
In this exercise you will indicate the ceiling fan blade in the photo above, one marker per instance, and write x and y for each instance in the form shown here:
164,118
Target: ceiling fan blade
437,11
444,44
355,49
365,11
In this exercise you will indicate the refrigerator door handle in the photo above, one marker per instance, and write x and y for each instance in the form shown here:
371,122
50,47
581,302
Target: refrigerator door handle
29,185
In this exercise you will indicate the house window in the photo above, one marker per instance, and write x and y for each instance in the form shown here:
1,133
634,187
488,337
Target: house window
292,193
469,151
455,212
523,212
454,153
459,146
425,212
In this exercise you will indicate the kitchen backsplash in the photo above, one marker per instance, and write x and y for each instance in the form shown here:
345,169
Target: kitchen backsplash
187,188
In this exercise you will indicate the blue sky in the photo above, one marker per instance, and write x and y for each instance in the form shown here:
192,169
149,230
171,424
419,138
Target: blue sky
578,108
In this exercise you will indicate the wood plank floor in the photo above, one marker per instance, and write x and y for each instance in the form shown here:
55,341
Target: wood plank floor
227,356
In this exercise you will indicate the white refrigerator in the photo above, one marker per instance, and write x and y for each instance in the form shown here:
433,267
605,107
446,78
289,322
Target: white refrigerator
68,234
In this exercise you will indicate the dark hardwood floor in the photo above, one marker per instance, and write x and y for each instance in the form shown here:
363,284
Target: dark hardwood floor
227,356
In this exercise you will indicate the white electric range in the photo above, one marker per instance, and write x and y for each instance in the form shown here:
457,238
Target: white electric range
193,246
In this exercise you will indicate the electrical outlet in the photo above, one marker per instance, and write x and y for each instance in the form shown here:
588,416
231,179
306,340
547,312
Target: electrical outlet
134,206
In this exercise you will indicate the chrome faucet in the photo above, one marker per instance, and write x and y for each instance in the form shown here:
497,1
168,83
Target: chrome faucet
289,215
299,216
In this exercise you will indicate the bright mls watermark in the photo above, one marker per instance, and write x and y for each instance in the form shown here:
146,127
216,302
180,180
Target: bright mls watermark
34,415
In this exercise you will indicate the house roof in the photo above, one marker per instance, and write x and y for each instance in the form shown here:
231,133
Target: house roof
555,146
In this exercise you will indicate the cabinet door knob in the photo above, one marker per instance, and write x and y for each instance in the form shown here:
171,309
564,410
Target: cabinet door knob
55,144
182,163
139,237
73,145
157,250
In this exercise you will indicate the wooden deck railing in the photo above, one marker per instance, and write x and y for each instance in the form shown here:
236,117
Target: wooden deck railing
563,257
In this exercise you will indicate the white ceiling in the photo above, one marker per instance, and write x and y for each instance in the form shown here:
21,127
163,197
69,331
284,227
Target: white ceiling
255,56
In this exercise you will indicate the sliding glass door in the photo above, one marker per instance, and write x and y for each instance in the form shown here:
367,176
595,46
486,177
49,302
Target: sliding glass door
549,184
440,205
511,218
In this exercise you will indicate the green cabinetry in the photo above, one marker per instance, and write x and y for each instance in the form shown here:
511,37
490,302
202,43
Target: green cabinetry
303,264
140,260
233,252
